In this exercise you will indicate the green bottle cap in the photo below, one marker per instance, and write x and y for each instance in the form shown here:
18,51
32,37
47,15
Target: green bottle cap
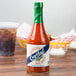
38,4
38,12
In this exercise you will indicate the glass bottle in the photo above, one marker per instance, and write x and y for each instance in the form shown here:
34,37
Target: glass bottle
38,44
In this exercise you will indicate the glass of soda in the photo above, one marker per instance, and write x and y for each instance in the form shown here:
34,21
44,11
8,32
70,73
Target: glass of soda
7,38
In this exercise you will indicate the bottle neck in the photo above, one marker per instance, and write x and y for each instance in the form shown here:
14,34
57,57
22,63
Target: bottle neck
38,15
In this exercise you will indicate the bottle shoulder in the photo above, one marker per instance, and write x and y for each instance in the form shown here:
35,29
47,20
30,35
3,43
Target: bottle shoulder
38,35
37,42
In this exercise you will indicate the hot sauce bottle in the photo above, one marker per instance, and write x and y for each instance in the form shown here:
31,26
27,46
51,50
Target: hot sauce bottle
38,44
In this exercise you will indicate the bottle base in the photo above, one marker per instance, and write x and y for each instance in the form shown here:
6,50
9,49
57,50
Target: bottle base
37,73
38,70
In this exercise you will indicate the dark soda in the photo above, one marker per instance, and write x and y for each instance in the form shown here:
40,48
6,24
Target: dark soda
7,41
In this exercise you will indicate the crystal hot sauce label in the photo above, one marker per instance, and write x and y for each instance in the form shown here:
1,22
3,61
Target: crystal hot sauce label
37,55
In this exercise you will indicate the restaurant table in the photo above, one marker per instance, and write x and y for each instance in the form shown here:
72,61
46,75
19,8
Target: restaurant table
16,65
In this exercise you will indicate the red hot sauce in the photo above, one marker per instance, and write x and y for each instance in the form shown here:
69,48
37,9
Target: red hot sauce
38,44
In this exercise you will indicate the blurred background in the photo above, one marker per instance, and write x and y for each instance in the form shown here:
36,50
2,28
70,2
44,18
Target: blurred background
59,15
